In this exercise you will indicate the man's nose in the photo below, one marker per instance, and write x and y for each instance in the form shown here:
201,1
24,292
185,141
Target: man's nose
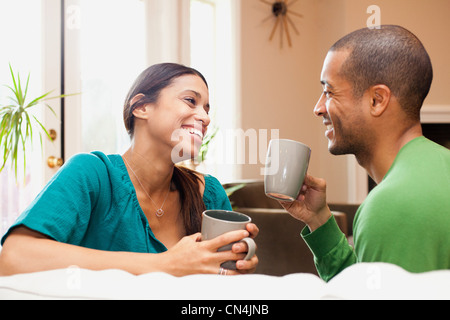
320,109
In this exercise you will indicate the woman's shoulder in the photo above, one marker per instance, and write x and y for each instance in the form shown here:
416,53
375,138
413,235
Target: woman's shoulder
95,158
212,187
211,181
80,159
92,164
215,194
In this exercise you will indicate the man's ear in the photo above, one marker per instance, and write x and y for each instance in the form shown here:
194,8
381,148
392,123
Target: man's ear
380,96
141,111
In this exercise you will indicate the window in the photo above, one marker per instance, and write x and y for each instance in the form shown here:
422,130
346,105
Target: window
110,42
213,50
106,51
107,44
21,39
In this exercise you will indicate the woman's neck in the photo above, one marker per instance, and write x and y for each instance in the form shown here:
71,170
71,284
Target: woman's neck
151,170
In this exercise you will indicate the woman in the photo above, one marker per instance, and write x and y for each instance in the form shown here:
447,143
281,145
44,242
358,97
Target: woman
137,212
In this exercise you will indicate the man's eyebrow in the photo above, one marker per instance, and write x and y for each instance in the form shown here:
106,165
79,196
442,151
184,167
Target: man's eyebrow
326,83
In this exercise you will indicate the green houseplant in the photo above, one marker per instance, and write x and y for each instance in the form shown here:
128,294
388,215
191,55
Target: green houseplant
17,124
202,156
205,145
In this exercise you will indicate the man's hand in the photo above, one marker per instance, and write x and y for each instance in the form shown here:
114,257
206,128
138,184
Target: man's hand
311,205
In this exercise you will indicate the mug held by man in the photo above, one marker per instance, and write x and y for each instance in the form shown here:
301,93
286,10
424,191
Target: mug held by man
286,166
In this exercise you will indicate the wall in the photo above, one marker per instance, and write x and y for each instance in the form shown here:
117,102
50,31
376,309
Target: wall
276,84
280,86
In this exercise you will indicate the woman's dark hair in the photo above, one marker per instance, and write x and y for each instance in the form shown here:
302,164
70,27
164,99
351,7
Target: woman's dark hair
150,83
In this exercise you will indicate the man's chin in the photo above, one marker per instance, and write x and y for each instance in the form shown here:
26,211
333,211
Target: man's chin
334,152
335,149
331,147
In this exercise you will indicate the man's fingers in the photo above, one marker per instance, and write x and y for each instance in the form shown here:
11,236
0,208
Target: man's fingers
315,183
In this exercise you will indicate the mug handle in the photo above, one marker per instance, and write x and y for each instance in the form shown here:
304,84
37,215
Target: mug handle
251,247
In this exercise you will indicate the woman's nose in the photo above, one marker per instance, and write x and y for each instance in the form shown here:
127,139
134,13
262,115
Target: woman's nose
202,116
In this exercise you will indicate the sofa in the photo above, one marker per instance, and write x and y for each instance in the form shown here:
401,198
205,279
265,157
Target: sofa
361,281
281,249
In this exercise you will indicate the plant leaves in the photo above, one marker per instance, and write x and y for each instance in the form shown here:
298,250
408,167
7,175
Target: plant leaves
16,125
37,100
14,82
43,128
51,109
229,191
26,87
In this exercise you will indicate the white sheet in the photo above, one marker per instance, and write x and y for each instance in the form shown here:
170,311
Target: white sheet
361,281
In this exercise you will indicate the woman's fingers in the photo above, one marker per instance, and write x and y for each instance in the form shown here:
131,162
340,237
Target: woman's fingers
253,230
226,238
247,266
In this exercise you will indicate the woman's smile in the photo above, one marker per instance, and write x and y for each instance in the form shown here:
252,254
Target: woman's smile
195,132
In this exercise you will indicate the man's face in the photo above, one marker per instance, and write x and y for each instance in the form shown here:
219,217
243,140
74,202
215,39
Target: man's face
342,113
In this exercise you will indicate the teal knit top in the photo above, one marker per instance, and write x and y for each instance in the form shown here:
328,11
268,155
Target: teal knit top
91,202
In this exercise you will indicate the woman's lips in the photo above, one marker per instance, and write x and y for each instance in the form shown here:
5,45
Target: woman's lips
194,131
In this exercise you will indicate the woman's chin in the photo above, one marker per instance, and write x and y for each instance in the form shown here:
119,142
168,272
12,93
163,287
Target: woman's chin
185,152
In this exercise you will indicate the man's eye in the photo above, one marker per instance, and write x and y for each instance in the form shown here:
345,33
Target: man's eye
327,94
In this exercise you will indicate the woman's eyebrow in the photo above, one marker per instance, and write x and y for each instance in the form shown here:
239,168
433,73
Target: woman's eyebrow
197,94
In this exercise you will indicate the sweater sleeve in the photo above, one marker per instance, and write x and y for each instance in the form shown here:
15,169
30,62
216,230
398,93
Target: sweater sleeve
62,210
332,252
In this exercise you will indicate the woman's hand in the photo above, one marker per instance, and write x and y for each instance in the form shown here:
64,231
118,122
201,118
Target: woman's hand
193,256
246,266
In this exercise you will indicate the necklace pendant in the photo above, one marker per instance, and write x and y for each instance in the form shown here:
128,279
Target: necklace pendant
159,213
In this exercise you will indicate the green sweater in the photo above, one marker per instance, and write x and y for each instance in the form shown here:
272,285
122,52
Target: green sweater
405,220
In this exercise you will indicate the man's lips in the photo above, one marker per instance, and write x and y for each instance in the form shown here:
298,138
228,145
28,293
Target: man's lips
329,126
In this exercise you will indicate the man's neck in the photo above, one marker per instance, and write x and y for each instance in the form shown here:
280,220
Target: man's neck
380,158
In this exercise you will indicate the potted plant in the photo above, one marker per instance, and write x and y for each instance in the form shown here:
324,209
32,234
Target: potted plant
205,145
17,124
192,164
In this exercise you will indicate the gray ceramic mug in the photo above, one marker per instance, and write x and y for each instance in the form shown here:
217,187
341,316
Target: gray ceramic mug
286,166
218,222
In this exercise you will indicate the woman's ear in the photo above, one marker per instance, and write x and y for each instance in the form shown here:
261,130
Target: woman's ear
380,96
141,111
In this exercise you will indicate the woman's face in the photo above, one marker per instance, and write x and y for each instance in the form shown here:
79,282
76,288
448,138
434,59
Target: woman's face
178,121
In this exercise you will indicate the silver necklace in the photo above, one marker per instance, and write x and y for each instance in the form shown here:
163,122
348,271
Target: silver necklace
159,212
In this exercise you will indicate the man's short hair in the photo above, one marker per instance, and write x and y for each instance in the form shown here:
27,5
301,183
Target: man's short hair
392,56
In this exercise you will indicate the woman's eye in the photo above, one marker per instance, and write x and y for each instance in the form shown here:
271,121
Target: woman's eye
190,100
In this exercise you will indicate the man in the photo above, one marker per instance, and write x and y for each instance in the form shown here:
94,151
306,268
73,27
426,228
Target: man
374,84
